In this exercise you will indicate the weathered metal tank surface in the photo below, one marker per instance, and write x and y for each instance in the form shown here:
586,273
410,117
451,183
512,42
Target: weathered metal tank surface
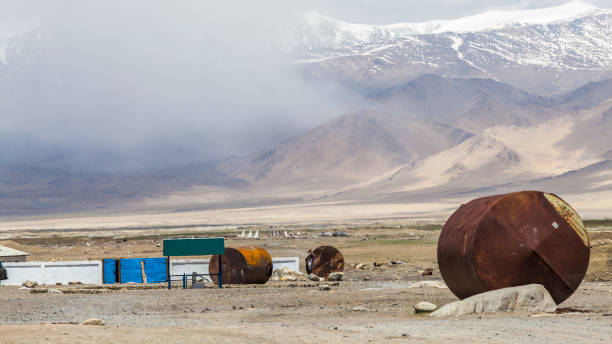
324,260
514,239
242,265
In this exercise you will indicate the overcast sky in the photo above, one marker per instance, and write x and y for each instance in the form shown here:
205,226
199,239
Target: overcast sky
130,84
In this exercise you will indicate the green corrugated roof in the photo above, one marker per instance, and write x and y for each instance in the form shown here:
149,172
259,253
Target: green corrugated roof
194,246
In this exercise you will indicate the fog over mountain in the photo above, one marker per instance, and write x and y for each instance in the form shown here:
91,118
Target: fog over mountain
126,105
121,86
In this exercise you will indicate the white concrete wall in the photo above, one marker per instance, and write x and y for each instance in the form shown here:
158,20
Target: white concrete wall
86,272
90,272
21,272
189,266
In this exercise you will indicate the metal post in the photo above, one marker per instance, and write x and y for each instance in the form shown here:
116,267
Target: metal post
184,281
168,277
220,272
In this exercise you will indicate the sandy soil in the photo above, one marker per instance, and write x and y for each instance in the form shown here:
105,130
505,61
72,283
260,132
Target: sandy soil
229,218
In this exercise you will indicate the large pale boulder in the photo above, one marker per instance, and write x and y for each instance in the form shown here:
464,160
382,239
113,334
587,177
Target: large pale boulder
528,298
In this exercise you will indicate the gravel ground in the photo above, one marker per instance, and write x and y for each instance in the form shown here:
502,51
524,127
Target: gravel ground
354,311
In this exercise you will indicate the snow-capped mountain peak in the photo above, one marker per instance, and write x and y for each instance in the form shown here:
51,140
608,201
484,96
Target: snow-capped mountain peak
498,19
343,33
543,51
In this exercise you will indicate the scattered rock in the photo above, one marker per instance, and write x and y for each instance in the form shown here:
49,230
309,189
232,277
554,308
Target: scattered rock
527,298
359,309
366,278
286,274
424,307
360,266
93,321
29,284
335,276
424,284
58,283
427,272
396,262
324,287
24,288
54,291
601,242
74,282
314,277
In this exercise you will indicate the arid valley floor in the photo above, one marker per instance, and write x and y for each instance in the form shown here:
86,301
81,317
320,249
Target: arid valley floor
373,304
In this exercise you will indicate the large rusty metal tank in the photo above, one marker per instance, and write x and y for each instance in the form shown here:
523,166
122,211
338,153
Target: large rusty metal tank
242,265
514,239
324,260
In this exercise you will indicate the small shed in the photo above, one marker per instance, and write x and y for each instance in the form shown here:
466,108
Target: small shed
8,254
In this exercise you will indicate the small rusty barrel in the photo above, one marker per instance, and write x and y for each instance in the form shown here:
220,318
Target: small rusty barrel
511,240
324,260
242,265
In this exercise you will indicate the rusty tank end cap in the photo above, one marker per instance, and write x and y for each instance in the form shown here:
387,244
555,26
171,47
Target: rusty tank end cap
509,239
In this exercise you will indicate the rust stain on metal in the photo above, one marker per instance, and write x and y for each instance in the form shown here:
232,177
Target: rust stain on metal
514,239
242,265
324,260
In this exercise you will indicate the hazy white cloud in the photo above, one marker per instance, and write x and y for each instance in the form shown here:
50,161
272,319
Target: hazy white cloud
153,82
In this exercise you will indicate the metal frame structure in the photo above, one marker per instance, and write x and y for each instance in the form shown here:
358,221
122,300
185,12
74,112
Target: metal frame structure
193,247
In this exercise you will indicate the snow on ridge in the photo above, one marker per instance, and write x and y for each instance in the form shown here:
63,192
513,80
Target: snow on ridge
499,19
481,22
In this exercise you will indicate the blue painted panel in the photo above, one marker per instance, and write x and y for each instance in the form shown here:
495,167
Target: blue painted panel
155,269
110,271
130,270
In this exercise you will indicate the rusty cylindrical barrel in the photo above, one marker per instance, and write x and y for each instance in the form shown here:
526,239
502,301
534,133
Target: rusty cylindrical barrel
324,260
511,240
242,265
